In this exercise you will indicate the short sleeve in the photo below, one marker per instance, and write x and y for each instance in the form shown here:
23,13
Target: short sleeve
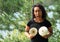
48,24
29,23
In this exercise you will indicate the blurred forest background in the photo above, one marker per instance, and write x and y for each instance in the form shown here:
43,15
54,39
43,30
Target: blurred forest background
14,15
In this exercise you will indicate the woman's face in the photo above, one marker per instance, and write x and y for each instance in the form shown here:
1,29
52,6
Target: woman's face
37,12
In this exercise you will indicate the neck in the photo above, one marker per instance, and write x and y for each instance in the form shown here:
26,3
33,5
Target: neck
38,19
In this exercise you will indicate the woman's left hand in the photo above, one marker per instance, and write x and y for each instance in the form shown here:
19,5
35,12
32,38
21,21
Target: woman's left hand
50,33
46,36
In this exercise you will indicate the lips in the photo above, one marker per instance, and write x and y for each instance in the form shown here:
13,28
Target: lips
38,16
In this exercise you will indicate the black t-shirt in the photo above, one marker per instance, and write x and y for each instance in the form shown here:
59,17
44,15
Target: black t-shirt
38,38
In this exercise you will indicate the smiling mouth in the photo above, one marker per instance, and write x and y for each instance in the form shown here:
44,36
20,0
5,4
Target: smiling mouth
37,16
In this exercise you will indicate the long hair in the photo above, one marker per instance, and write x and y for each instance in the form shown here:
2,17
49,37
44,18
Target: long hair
42,9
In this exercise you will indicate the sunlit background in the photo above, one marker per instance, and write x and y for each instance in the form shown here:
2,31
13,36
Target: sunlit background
14,15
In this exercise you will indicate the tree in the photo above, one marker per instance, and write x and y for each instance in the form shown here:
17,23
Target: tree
14,14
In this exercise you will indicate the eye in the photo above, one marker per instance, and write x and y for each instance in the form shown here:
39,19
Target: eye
35,10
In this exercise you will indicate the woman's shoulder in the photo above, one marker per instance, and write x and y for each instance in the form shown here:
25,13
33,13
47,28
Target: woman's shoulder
48,23
30,22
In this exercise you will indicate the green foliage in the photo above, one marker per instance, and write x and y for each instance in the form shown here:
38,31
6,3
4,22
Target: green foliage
11,6
16,36
16,23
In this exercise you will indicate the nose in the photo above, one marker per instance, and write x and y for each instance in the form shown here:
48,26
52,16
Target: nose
37,13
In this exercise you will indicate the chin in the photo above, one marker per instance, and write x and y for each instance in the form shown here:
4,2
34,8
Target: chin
38,16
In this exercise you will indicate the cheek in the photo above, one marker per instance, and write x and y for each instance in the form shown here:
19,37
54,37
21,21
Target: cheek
40,13
35,13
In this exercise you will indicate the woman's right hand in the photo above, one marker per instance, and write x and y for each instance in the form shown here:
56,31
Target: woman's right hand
30,36
27,34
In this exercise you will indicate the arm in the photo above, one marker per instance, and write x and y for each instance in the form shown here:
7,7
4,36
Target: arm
26,32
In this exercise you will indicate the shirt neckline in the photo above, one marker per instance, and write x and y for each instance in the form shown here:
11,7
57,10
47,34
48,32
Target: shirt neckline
38,22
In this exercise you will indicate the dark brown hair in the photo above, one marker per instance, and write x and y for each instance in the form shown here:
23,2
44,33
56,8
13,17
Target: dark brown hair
42,9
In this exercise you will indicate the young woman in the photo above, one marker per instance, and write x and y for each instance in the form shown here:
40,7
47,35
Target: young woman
38,20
